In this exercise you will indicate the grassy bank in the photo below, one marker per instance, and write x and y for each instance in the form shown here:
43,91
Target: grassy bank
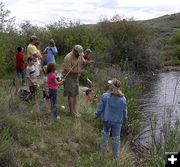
37,140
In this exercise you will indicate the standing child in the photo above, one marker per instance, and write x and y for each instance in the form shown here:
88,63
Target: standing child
113,110
20,66
53,86
31,76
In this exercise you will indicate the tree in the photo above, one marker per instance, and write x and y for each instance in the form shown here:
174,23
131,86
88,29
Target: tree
5,19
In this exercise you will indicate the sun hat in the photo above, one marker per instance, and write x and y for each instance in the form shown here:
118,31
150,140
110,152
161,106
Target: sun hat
79,49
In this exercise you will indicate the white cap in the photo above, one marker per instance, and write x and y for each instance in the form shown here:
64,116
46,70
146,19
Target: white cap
110,81
79,49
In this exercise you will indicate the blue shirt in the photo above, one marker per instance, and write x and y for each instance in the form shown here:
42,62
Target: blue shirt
112,108
51,51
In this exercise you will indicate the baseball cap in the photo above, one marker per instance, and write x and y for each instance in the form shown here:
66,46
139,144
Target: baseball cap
33,37
88,50
79,49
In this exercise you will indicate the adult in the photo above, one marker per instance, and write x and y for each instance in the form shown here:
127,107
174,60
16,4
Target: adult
50,51
72,70
31,49
38,58
112,108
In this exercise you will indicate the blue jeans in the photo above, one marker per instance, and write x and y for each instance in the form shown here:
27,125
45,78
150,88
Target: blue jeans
116,130
53,97
20,75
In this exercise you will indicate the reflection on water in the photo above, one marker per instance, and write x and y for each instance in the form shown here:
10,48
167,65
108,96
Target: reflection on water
162,94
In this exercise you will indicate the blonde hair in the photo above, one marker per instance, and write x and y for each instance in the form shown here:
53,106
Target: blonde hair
115,89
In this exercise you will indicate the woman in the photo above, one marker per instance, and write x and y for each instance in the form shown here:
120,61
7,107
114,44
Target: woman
51,50
38,58
113,110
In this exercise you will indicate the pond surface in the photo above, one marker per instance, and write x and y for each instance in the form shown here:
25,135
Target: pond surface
160,100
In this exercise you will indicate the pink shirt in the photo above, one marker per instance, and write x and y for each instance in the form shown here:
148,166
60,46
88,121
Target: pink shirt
51,81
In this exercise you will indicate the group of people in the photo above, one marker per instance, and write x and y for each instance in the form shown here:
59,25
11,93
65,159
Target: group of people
112,107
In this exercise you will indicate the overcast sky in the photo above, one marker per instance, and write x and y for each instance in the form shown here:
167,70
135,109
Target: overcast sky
43,12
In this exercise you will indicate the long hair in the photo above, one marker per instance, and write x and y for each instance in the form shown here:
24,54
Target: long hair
51,68
115,88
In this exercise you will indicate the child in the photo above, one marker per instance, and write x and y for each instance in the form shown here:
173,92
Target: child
89,95
53,86
31,76
20,65
113,110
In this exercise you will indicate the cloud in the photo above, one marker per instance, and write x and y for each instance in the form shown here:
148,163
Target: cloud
43,12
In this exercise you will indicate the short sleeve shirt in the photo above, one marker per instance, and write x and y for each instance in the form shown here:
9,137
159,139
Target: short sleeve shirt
70,61
31,50
31,73
51,81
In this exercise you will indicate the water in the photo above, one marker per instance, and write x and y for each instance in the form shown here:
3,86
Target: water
160,100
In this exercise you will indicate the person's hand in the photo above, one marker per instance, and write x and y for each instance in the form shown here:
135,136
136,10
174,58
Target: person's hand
61,82
34,82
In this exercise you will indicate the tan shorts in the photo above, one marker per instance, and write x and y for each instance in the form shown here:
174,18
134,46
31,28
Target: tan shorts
71,85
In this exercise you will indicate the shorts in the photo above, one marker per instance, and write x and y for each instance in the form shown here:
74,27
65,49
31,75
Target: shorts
71,86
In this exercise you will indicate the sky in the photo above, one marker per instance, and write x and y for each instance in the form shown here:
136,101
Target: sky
42,12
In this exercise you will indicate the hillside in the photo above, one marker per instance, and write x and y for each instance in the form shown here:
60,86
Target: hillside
165,26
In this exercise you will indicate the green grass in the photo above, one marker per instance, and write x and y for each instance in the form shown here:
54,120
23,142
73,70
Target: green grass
38,140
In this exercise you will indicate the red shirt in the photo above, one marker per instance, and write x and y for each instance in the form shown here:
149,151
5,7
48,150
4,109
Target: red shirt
87,57
20,61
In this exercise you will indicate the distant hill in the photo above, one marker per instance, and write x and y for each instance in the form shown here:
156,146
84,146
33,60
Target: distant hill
165,26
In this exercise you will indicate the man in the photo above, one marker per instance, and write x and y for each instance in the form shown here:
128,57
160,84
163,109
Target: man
31,49
73,62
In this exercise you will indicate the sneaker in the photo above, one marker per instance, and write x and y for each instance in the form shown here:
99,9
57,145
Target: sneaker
58,117
76,114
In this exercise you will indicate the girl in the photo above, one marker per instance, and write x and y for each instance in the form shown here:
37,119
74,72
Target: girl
53,86
113,110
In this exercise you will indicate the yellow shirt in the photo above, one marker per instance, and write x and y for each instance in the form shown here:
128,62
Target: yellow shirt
70,61
31,50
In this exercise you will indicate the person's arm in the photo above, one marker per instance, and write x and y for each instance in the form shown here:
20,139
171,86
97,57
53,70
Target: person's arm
100,108
125,110
54,50
28,76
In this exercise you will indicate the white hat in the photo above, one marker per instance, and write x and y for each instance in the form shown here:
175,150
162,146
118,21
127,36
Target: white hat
79,49
110,81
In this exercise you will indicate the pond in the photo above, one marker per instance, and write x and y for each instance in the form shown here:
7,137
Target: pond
160,101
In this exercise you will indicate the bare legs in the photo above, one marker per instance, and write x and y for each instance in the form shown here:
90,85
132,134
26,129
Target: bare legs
72,101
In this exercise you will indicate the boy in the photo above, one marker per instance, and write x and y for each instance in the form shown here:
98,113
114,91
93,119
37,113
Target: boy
31,76
20,66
